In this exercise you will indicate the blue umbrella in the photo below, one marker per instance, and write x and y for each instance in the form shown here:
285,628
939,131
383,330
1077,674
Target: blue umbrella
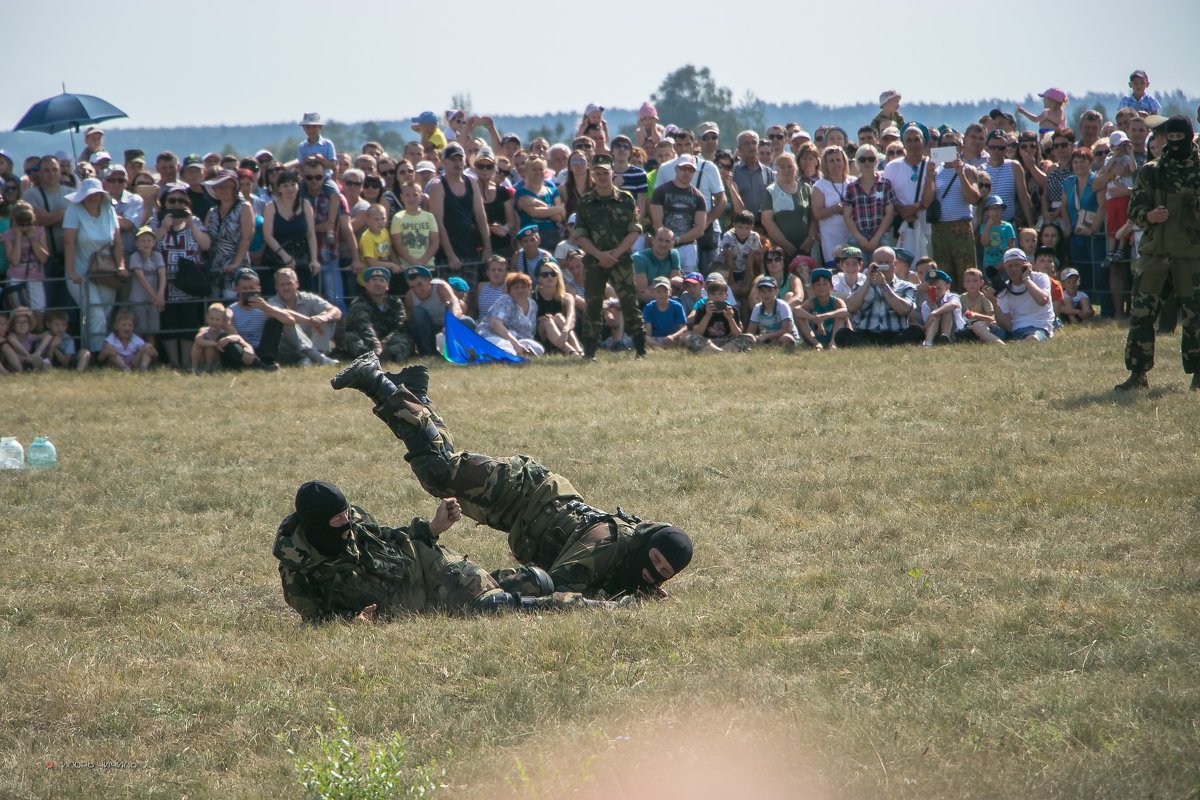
67,112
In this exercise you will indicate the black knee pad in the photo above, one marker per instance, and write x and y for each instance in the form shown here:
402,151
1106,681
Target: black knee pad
497,602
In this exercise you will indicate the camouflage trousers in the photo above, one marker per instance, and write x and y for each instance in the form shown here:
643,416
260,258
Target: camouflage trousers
537,508
621,278
397,347
452,584
1147,303
953,248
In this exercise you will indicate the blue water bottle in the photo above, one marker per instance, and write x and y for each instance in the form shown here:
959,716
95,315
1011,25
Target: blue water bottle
42,454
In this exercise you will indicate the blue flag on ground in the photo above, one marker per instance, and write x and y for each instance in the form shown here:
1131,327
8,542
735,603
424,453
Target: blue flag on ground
465,346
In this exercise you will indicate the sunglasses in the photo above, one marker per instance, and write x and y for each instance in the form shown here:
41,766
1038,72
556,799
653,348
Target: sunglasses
115,180
775,137
997,147
547,274
866,160
622,146
1100,153
725,164
485,166
774,258
352,183
1061,145
709,137
583,146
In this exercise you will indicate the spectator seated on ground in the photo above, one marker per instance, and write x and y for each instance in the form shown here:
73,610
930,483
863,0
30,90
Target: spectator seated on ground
714,323
659,260
376,321
771,321
426,303
308,339
823,314
880,308
512,323
665,317
1023,308
256,321
555,312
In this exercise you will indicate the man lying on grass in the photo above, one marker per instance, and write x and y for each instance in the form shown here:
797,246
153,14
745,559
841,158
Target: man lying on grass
336,561
548,524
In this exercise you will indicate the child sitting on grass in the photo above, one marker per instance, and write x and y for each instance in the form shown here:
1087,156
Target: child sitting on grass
771,321
1045,262
824,313
978,312
1076,306
123,349
214,337
60,346
24,345
713,322
8,359
941,310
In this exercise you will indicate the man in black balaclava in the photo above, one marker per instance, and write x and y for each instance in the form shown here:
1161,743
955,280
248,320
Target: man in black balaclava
336,561
548,525
1166,205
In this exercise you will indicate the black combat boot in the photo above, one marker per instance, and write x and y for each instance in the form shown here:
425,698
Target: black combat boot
589,349
639,345
1136,380
415,378
1196,381
363,373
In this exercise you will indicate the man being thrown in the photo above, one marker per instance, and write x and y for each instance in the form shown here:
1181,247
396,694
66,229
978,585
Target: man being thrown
549,526
336,561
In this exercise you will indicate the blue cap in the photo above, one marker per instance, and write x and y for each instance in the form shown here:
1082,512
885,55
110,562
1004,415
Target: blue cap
993,200
417,272
377,272
937,275
426,118
459,284
244,272
904,255
821,272
528,229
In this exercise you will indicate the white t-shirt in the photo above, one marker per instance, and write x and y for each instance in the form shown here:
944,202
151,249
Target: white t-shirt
950,299
1025,312
904,179
834,232
781,317
844,290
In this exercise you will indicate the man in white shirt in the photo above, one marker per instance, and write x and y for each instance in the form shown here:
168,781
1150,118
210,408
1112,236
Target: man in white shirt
1024,308
912,179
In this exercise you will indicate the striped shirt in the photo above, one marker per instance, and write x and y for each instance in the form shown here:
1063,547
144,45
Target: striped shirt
1004,186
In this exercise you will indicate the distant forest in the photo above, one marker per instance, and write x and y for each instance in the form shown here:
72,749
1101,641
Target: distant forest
696,97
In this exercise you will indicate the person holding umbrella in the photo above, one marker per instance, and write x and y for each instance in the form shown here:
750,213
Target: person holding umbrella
89,226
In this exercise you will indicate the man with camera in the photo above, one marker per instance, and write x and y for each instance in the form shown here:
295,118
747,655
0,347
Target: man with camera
256,321
880,308
1023,307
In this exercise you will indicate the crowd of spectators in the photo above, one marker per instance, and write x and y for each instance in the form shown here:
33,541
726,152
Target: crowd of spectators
906,232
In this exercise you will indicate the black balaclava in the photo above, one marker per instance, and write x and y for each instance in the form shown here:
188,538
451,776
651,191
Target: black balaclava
318,502
676,548
1183,148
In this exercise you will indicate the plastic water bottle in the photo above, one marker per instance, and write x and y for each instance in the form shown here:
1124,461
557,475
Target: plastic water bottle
42,454
12,455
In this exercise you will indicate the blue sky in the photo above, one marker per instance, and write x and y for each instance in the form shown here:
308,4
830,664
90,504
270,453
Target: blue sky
234,62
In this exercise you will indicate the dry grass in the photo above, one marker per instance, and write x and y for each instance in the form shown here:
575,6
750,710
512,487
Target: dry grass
962,572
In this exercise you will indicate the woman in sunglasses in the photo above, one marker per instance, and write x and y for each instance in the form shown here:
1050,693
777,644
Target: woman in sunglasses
870,203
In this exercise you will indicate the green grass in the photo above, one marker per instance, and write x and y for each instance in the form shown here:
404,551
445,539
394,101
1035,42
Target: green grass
965,572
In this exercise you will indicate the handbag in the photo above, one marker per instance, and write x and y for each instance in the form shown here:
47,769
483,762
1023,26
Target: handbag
193,279
934,212
1082,218
102,269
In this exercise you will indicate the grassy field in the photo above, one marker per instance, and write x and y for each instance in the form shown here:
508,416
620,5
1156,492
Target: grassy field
964,572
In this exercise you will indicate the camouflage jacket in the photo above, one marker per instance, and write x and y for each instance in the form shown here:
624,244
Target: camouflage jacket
380,565
1174,184
606,219
595,559
375,324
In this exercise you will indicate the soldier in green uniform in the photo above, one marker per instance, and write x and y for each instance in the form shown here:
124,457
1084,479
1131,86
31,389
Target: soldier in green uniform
548,524
606,227
1166,205
375,321
336,561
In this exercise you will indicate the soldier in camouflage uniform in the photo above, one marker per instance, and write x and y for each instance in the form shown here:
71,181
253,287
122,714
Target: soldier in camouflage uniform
548,524
1166,206
336,561
606,228
375,321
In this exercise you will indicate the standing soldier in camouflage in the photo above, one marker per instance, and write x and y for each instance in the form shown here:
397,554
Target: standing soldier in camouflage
606,227
336,561
1166,206
375,321
548,525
